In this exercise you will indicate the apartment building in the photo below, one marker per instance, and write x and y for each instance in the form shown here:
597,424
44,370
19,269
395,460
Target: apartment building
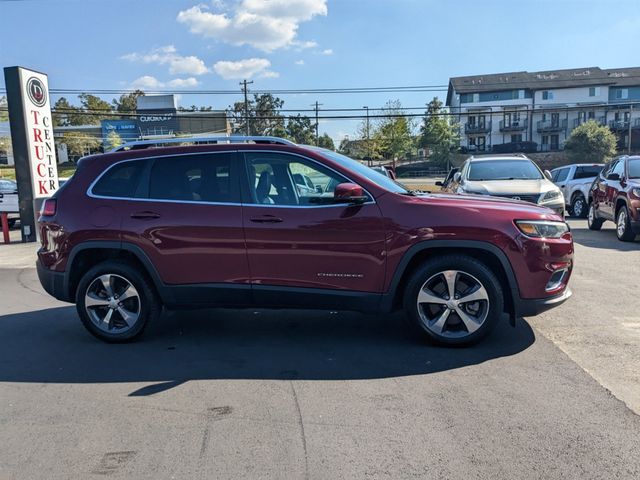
544,107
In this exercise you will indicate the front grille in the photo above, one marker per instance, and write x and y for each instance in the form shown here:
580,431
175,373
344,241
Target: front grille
524,198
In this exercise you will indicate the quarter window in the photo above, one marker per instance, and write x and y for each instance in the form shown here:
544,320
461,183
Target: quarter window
121,180
195,178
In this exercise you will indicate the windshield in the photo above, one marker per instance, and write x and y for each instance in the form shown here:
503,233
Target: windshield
503,170
361,169
634,168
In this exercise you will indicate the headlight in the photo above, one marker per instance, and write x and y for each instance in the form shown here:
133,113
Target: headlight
542,228
636,192
550,195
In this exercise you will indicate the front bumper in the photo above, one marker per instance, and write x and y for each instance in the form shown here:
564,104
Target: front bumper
52,282
532,307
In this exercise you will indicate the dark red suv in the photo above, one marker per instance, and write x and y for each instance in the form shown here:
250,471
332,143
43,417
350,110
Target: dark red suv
615,196
262,222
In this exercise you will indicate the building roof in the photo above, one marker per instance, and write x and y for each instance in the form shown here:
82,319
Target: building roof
567,78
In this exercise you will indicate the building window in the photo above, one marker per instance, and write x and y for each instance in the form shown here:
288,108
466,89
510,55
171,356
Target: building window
547,95
545,140
622,93
481,143
594,91
517,137
555,142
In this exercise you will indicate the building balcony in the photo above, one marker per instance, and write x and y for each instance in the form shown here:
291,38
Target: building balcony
477,127
579,121
514,126
545,126
624,124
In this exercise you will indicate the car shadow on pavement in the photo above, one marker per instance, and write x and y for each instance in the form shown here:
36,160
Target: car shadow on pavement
605,238
51,346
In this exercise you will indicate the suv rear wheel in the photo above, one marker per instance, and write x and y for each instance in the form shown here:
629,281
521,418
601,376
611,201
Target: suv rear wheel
453,300
115,302
593,222
623,226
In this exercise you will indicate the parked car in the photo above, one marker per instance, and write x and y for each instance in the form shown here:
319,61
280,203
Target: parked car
515,147
508,176
448,179
10,187
386,171
615,196
131,232
575,183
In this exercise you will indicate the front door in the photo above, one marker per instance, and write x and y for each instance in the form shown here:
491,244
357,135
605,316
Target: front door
189,221
297,238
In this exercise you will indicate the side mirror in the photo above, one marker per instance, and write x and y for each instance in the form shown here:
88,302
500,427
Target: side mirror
457,177
349,193
613,176
547,174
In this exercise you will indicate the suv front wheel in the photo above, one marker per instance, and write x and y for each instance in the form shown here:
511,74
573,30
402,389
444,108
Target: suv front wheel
453,300
115,302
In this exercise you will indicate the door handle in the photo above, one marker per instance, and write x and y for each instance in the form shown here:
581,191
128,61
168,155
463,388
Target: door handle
145,215
265,219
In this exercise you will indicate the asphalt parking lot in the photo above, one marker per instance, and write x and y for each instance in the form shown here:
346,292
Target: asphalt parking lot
242,394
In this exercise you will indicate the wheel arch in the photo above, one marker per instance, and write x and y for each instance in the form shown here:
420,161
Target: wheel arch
620,202
88,254
487,253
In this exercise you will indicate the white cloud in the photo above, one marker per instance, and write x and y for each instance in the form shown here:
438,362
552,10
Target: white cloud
327,51
264,24
178,64
147,82
299,62
247,68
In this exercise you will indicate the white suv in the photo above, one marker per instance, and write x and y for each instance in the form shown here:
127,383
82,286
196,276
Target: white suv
575,181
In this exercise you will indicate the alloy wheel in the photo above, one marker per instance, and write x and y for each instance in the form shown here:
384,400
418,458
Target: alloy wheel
622,223
112,303
453,304
578,207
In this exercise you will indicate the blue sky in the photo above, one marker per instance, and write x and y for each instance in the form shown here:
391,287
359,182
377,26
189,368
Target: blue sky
191,44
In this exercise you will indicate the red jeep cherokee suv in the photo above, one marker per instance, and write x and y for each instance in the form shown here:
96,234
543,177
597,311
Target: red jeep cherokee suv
263,222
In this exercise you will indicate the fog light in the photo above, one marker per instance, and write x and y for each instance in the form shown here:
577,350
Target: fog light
556,280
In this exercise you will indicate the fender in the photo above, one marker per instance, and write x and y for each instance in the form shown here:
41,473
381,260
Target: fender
388,297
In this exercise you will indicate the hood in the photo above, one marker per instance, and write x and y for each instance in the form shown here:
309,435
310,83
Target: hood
509,187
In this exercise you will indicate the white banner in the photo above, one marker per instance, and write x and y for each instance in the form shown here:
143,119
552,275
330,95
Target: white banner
39,128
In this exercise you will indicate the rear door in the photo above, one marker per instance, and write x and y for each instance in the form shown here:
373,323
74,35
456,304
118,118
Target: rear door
296,237
188,221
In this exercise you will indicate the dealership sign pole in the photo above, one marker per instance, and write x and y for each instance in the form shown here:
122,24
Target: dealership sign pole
32,139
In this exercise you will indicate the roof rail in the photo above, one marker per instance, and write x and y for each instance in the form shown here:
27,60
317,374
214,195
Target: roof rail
142,144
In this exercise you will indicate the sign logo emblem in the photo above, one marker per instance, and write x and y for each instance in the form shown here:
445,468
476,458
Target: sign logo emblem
36,92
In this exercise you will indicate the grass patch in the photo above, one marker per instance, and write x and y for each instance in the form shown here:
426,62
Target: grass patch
64,170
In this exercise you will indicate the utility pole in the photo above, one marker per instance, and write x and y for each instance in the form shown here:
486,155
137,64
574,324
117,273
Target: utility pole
244,84
368,140
316,105
630,113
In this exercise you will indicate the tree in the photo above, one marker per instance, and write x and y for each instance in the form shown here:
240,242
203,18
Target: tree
301,130
5,146
113,140
325,141
65,114
591,142
393,133
437,133
79,144
128,102
94,106
264,116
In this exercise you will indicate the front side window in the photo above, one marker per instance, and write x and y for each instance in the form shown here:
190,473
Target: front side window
563,173
618,168
195,178
121,180
280,179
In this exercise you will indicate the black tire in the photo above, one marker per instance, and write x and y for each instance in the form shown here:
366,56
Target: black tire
148,305
593,222
471,270
579,207
623,225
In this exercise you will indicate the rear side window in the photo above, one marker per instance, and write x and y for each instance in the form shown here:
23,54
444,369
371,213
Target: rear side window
195,178
120,180
587,172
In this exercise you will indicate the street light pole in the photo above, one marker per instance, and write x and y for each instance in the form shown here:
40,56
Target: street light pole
368,141
316,105
244,84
